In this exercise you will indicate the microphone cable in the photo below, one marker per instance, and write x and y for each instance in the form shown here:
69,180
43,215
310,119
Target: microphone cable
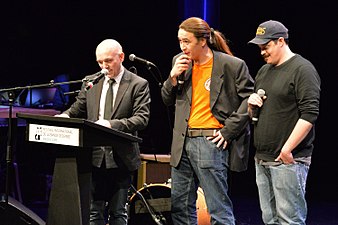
150,210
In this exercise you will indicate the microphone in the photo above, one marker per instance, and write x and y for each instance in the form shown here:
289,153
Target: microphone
180,82
133,58
98,76
256,110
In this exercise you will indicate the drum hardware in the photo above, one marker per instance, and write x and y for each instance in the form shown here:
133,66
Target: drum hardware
151,204
158,217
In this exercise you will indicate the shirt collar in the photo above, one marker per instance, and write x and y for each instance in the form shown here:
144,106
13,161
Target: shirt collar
117,78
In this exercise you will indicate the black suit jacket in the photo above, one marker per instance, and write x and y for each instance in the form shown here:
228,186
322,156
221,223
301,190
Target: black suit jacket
130,114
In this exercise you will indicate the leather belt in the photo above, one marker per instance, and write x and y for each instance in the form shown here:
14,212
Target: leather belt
193,132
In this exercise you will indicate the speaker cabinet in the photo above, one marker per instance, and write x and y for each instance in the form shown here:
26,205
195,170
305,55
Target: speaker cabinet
154,169
14,213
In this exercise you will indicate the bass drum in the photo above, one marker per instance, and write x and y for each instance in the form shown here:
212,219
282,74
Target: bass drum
157,198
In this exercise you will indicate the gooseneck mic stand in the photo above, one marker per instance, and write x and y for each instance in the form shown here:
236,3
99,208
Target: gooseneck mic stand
9,151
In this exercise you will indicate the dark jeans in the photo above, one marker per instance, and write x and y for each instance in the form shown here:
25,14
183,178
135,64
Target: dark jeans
109,189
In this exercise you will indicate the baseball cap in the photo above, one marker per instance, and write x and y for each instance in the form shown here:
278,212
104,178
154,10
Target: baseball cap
269,30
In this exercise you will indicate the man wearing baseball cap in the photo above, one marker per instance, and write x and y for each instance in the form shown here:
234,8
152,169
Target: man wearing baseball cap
269,30
284,125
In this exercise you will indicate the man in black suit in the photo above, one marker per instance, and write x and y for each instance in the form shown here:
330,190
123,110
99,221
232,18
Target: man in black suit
129,112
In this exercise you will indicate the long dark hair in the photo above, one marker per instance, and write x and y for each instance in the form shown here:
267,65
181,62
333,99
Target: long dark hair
201,29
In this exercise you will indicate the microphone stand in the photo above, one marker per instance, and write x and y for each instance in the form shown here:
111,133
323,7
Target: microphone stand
70,93
160,84
9,164
9,152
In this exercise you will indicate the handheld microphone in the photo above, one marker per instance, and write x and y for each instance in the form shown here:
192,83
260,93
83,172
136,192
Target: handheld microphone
98,76
256,110
180,82
133,58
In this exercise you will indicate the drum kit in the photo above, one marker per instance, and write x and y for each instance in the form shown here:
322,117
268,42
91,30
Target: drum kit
151,204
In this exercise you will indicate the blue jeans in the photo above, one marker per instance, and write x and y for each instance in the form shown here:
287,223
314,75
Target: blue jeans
202,164
282,193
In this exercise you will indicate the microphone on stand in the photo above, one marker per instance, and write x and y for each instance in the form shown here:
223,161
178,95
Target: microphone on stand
97,78
133,58
149,66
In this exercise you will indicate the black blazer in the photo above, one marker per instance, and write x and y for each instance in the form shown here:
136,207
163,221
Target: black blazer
231,85
130,114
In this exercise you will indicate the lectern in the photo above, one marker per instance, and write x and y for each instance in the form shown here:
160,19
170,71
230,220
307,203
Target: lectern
69,199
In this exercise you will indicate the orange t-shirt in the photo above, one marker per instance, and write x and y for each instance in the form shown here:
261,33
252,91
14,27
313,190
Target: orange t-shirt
200,114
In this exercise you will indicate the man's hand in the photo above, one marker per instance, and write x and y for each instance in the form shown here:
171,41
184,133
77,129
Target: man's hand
104,123
219,139
62,115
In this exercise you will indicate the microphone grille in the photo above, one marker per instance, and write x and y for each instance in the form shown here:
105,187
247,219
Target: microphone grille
261,92
104,71
132,57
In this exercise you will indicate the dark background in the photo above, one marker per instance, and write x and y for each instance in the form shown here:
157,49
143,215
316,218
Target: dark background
41,40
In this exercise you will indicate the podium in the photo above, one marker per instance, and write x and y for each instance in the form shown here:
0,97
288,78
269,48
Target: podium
69,199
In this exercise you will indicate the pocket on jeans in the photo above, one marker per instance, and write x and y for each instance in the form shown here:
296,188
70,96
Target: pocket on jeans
212,157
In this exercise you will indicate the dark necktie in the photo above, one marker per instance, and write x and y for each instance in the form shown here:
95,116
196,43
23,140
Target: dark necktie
109,100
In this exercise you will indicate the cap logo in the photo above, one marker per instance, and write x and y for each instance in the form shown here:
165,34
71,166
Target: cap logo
260,31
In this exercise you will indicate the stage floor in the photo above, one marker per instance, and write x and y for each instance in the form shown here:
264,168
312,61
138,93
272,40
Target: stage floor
248,213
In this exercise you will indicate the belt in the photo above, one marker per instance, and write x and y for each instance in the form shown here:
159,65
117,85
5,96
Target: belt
193,132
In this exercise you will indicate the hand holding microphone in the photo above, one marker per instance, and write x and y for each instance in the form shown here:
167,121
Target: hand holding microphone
256,104
179,70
